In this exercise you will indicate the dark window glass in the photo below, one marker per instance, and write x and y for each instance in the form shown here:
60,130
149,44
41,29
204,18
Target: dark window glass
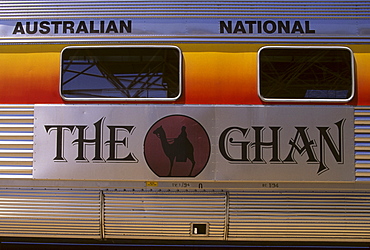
121,72
305,73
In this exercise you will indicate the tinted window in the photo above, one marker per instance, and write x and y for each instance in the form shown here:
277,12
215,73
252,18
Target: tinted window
121,73
305,74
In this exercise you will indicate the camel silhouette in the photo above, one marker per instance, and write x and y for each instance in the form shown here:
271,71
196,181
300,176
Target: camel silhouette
180,148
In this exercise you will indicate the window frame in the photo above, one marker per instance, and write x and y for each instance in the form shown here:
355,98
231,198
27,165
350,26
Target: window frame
115,99
306,100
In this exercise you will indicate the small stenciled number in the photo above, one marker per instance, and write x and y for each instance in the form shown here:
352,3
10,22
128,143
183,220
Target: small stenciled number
181,184
270,185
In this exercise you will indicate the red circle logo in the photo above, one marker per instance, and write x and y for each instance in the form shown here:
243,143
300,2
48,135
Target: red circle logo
177,146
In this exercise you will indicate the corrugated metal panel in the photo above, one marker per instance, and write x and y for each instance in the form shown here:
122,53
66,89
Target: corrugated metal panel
144,8
159,215
304,216
16,141
362,143
49,213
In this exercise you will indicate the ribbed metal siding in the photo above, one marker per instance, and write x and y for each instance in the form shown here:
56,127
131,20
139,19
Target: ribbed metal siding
362,143
304,216
159,215
49,213
142,8
16,141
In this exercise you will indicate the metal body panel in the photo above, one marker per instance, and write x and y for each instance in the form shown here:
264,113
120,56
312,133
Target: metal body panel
151,215
299,216
18,9
16,141
49,195
362,149
269,216
50,213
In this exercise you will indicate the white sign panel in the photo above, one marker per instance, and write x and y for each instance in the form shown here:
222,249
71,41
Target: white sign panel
215,143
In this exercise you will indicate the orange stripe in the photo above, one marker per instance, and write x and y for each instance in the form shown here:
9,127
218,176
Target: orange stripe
213,74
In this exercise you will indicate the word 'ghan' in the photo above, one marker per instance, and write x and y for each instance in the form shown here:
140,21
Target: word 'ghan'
300,143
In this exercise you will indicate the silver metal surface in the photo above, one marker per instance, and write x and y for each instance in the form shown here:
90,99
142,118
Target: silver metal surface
16,141
165,8
156,215
32,212
362,143
270,215
183,21
299,216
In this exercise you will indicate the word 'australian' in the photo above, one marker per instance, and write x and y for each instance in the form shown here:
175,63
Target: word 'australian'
73,27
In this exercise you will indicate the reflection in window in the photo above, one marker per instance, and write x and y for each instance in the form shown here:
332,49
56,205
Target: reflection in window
121,72
305,73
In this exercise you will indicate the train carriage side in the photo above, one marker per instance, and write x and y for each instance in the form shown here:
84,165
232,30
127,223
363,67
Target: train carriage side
211,122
